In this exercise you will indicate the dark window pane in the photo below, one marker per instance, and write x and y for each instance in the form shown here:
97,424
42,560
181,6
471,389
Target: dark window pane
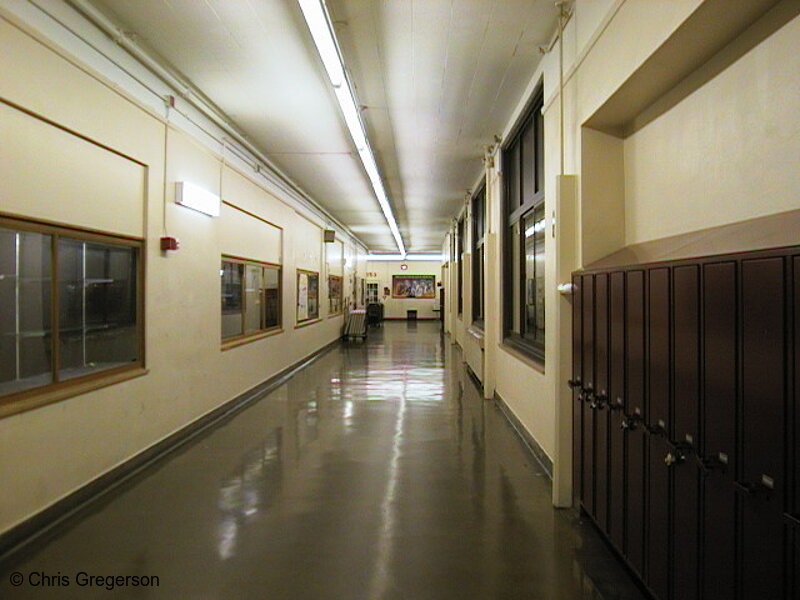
272,298
528,135
98,312
539,123
232,301
534,224
515,325
25,303
71,304
511,172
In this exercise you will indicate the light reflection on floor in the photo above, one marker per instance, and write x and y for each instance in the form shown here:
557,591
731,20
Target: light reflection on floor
376,473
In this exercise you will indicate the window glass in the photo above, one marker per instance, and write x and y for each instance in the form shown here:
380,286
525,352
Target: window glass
335,294
313,296
460,259
25,310
308,295
232,299
534,276
539,124
528,160
97,307
524,236
511,169
253,285
478,238
94,326
272,298
516,276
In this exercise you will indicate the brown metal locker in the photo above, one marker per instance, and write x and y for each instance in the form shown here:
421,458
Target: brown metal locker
682,458
600,401
761,479
577,395
616,405
659,426
718,444
635,447
587,375
795,510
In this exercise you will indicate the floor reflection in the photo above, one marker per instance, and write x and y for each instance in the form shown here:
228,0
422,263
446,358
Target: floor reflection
376,473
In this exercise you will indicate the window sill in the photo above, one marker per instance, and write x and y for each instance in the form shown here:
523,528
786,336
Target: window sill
36,398
306,323
232,343
527,355
477,332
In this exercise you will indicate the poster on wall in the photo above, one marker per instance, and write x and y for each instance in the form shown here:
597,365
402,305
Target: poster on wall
307,295
413,286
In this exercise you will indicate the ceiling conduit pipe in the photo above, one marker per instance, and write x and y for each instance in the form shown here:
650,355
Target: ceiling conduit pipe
196,99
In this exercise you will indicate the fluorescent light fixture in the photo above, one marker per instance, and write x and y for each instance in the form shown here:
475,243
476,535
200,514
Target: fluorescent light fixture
319,24
194,197
405,257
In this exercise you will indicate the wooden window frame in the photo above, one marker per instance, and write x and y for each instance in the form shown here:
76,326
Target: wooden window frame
516,215
57,390
246,338
478,203
309,320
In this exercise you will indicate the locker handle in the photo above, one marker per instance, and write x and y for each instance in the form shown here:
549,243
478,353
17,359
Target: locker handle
630,421
618,404
677,455
711,464
752,489
599,401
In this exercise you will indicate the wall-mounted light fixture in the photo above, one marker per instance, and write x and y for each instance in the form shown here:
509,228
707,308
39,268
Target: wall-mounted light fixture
319,24
193,196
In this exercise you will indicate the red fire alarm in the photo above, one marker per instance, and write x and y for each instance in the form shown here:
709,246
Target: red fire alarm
169,243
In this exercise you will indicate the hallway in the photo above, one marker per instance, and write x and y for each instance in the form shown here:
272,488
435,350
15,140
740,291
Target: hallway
375,472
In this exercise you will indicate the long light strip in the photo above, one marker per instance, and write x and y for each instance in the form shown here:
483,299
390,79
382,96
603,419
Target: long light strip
319,24
406,257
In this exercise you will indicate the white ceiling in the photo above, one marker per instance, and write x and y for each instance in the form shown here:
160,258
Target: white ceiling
438,78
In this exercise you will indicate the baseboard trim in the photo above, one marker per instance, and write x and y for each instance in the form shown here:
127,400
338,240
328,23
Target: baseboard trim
47,523
405,319
527,439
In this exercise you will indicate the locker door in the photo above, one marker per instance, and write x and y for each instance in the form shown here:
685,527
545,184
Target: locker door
718,444
635,445
600,411
575,383
763,397
616,399
587,496
793,590
686,426
658,419
796,437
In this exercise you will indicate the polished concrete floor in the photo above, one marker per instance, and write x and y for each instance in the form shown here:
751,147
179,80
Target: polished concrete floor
377,472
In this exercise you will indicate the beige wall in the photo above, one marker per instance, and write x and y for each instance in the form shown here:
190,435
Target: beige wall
726,151
52,174
381,272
